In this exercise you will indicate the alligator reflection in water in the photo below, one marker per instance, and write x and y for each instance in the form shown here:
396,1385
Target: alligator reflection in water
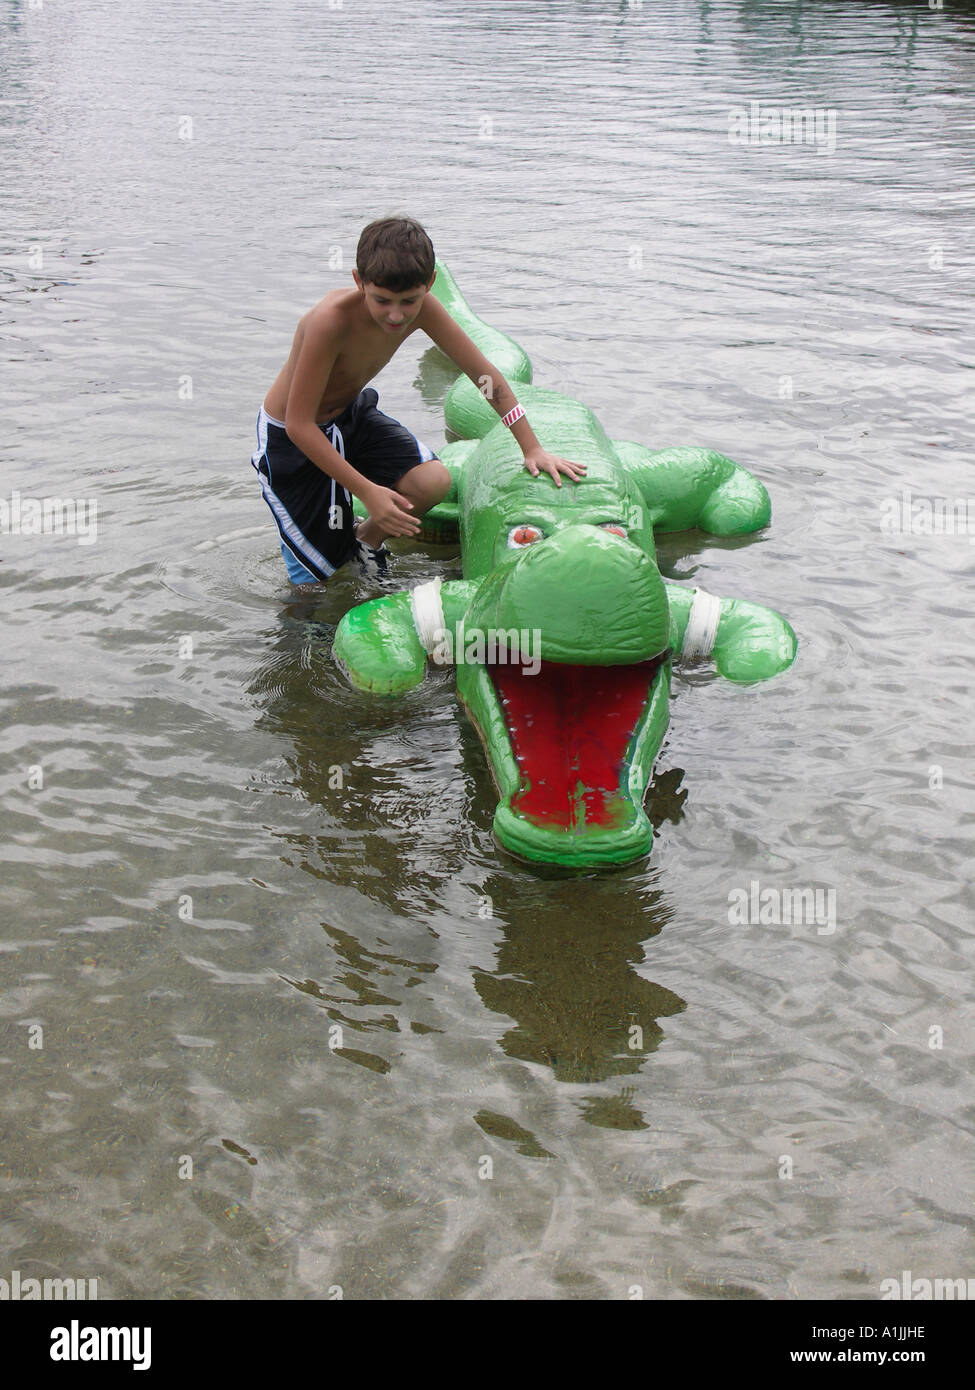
572,986
568,946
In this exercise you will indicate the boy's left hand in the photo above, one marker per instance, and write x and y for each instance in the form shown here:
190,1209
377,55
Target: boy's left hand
539,461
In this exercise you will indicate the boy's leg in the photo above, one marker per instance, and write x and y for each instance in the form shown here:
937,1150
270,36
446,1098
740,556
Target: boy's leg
424,484
297,572
313,515
387,453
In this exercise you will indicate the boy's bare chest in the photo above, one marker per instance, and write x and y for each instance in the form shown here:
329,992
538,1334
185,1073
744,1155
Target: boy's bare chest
362,361
355,366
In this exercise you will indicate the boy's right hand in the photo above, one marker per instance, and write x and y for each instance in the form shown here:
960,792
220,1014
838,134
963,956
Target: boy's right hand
391,512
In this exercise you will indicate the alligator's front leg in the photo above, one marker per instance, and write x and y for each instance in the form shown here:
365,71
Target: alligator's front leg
688,487
383,646
748,642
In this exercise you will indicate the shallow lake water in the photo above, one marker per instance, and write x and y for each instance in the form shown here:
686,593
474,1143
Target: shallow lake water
278,1017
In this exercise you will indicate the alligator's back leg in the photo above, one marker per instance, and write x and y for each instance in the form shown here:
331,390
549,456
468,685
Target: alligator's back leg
688,487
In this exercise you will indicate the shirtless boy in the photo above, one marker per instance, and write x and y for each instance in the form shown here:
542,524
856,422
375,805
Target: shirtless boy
321,438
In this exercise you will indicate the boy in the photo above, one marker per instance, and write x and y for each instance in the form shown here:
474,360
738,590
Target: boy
321,438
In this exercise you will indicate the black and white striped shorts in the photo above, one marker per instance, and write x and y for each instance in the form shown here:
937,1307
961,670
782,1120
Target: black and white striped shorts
313,513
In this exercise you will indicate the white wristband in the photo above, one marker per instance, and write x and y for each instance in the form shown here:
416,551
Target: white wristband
513,415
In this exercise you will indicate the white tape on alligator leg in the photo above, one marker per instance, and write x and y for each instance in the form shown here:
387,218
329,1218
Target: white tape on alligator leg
702,625
428,615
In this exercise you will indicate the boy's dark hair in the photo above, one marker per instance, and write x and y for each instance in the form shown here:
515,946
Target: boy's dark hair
396,254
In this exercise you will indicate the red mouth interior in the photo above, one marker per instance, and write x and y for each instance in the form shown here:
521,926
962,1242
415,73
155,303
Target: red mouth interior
570,728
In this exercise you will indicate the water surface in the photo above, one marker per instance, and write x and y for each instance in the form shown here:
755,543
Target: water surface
232,855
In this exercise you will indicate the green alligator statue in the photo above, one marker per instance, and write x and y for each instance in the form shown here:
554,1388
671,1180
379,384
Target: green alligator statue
562,630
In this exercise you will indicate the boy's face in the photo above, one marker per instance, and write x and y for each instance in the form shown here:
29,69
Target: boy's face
393,310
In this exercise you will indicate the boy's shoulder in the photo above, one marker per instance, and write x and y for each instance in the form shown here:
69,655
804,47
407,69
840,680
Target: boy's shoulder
334,308
334,319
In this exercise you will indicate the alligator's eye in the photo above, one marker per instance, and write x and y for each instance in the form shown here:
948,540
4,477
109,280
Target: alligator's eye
616,527
523,535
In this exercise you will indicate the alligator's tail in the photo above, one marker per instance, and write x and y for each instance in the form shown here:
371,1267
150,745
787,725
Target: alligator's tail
466,409
510,359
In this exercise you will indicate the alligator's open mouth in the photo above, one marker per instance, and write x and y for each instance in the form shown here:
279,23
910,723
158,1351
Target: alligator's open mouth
572,733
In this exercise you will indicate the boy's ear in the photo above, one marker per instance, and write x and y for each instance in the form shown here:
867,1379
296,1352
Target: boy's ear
358,279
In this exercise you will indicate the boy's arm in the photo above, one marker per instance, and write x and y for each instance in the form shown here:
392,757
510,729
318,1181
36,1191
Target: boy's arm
319,350
451,339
